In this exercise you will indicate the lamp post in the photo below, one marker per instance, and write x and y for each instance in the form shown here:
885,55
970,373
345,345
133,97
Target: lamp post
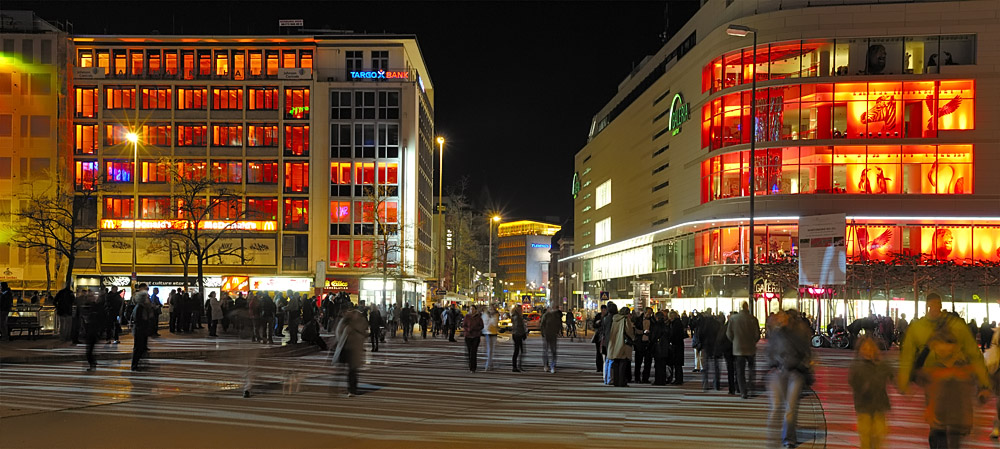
133,138
440,235
742,31
495,218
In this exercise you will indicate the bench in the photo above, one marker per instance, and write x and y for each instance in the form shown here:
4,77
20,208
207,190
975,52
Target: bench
24,323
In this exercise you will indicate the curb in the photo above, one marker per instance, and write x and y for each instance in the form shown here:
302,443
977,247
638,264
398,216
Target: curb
296,350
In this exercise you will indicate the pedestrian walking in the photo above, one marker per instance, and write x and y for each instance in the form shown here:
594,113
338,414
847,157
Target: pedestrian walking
660,344
644,346
596,340
694,322
571,325
214,309
518,332
726,347
606,337
868,377
64,313
142,316
154,299
114,305
94,317
550,325
620,341
454,320
744,331
473,327
790,361
940,354
424,320
708,334
6,305
351,332
293,311
491,319
375,324
267,311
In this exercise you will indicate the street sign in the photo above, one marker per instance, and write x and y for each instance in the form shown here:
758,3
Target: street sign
440,291
290,22
490,275
605,296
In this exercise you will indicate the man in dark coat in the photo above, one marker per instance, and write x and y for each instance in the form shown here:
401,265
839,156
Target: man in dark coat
660,341
114,305
708,335
375,324
94,316
643,346
64,312
6,305
678,333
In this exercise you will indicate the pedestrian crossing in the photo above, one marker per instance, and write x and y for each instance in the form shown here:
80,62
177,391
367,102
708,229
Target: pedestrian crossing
420,394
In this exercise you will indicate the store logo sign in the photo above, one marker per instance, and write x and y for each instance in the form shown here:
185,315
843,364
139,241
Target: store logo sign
576,184
380,75
678,114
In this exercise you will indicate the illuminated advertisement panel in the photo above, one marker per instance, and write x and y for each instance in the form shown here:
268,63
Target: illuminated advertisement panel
183,224
954,242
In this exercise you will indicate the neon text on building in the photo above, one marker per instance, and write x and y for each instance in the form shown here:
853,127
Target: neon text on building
184,224
380,75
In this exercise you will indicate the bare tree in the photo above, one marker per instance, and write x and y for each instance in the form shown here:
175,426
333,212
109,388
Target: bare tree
380,209
207,214
465,240
63,223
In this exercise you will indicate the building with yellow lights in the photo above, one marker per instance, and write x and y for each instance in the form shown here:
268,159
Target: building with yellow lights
523,259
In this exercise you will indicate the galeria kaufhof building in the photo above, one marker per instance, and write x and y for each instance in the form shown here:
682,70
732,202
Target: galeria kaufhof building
884,112
302,128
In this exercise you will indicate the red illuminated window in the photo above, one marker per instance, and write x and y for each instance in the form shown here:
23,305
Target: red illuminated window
104,61
296,177
85,58
364,212
262,209
155,97
114,134
297,103
363,250
85,139
192,135
192,170
262,98
136,66
340,173
118,207
340,253
118,171
227,135
340,211
154,172
154,207
86,102
154,61
364,173
305,59
256,64
204,63
170,62
221,64
239,65
262,135
198,210
387,173
296,140
192,97
86,174
155,134
262,172
226,208
227,98
272,62
227,172
288,59
296,214
387,212
119,98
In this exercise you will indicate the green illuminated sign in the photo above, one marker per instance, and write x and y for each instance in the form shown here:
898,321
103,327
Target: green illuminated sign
678,114
576,184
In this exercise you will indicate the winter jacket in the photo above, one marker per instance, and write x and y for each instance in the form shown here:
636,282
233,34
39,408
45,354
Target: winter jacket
267,307
677,334
661,339
517,326
916,338
708,335
744,332
473,325
351,332
551,325
621,326
64,302
215,307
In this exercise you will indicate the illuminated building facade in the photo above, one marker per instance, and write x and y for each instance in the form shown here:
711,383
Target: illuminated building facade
326,141
31,103
886,119
523,258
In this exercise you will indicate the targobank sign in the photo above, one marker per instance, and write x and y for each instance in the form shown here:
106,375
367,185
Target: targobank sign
379,75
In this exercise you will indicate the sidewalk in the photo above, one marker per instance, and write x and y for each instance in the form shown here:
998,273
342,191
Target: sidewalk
49,349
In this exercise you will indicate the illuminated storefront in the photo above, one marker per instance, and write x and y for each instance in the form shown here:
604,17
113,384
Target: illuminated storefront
893,130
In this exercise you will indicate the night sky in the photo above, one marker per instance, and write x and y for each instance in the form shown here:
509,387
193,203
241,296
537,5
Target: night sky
517,83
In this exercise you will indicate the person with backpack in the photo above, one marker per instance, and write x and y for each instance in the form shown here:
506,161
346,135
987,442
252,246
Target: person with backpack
935,345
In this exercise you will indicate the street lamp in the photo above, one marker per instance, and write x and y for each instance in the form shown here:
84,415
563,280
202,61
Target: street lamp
440,236
495,218
742,31
133,138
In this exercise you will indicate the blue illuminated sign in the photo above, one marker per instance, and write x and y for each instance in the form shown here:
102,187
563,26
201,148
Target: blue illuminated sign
541,245
379,75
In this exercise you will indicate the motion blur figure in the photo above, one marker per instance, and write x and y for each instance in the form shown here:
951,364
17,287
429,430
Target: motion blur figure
868,377
790,359
351,332
940,354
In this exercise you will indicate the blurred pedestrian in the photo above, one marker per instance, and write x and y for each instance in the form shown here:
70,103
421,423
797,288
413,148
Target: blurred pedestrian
518,332
473,327
154,299
423,321
94,317
790,361
406,321
214,313
491,319
550,326
708,333
660,343
375,324
606,323
64,313
985,336
454,320
744,331
868,377
142,316
267,311
6,305
351,332
253,307
621,337
677,333
598,338
293,311
726,347
114,305
644,346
